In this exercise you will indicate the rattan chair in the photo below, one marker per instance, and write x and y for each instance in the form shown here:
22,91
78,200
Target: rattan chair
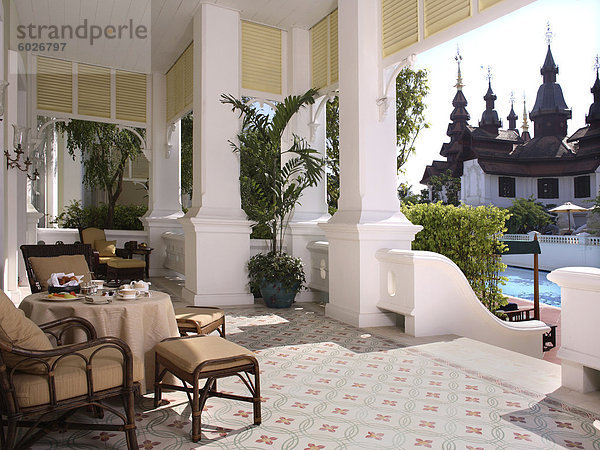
41,389
200,320
50,251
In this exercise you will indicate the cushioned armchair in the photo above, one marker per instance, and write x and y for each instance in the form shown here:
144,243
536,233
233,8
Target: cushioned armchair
43,385
43,260
115,263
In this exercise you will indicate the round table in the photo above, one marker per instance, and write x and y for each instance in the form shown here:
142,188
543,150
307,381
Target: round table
142,322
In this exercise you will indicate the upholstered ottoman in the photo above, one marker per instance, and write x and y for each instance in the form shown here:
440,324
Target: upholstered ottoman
125,269
200,320
193,358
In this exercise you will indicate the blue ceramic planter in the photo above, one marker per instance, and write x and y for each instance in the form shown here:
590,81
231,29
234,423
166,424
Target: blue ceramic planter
277,297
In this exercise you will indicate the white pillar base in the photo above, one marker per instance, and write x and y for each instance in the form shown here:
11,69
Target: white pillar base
354,269
579,377
156,226
216,254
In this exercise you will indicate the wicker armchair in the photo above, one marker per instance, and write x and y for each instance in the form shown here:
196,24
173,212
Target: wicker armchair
40,389
53,251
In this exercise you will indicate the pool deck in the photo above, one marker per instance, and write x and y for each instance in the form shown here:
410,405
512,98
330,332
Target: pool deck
550,315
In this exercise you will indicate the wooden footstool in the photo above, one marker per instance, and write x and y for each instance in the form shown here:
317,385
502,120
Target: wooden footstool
193,358
125,269
200,320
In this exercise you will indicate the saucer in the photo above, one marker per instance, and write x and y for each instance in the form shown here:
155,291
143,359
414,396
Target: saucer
97,300
120,297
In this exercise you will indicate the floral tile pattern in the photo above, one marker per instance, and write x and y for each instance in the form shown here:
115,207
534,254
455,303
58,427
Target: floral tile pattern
328,385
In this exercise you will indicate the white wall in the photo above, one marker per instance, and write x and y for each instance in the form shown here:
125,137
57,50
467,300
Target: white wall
479,188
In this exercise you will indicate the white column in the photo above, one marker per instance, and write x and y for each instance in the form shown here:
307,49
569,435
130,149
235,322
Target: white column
164,201
12,178
312,210
580,307
217,234
368,217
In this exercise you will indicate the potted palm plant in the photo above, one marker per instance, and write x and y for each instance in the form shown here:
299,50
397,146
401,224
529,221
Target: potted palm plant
272,180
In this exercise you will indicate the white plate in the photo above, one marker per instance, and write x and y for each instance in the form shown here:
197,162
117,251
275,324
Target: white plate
120,297
58,299
97,300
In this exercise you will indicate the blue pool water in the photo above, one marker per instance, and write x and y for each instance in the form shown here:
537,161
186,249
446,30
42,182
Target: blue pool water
520,284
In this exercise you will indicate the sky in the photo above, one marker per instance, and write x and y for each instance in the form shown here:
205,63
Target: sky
514,46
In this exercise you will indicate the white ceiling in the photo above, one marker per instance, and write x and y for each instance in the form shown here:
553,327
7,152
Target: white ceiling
169,22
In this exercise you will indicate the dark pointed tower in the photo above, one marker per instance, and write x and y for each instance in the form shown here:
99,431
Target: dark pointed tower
459,116
512,116
525,125
550,112
593,117
490,121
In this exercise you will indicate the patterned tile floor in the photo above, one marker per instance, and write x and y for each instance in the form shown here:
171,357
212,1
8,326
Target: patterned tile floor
327,385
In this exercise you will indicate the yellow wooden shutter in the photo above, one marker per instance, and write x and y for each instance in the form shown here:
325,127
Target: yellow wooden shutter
261,58
400,24
54,85
93,90
440,14
484,4
180,85
130,96
319,44
333,47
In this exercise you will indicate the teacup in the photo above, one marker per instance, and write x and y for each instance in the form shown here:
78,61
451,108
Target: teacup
140,285
128,293
98,283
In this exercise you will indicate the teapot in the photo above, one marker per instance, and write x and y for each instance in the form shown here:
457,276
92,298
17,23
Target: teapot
140,285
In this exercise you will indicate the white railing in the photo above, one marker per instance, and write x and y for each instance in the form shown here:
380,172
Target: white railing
175,251
70,235
557,251
552,239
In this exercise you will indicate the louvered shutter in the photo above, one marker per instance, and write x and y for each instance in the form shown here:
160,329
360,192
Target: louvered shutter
261,58
400,24
484,4
440,14
93,91
318,38
180,85
54,85
333,47
130,96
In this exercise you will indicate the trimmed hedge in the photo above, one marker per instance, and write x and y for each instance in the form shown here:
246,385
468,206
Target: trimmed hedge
469,236
126,216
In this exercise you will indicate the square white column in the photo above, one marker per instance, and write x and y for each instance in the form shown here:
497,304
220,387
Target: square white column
164,201
217,233
369,216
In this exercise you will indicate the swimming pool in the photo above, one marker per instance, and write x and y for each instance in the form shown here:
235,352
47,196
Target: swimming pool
520,284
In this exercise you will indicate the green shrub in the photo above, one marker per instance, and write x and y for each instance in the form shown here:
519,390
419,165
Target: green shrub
469,236
126,216
527,215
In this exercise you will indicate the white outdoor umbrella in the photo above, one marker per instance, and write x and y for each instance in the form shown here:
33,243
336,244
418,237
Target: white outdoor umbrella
568,208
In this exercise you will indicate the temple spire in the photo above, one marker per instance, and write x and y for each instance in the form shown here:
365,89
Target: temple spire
593,117
489,119
512,116
459,81
525,126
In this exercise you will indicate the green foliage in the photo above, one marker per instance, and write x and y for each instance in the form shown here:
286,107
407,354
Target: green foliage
276,188
187,154
273,267
332,115
411,90
126,217
406,195
445,188
469,236
105,151
527,215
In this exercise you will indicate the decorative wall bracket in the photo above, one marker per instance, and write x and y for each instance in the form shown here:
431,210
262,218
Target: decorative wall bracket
318,108
143,147
169,146
383,102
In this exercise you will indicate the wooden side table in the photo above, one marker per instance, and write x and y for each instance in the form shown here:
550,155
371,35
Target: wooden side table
146,252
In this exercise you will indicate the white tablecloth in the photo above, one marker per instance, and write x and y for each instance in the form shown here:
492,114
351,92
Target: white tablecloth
142,323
